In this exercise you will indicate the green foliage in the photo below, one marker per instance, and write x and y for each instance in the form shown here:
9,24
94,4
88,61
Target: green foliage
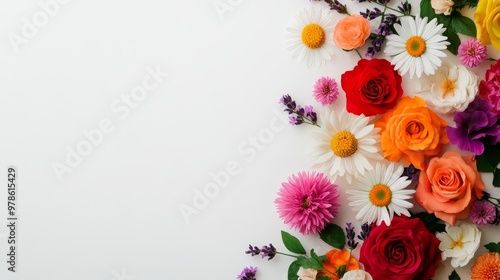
292,270
493,247
454,23
333,235
454,276
314,261
292,243
488,161
431,222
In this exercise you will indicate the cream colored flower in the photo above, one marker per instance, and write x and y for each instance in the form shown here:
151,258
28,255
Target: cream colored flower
357,274
442,6
451,89
307,274
459,243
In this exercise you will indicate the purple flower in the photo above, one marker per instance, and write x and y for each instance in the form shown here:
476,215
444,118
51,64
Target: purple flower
268,251
350,237
471,53
265,251
482,213
411,172
365,231
299,115
476,126
248,273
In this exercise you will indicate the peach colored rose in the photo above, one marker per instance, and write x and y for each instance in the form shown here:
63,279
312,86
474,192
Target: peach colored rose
411,132
449,186
442,6
351,32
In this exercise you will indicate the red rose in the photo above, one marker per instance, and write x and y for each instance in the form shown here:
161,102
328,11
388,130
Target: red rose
405,250
372,87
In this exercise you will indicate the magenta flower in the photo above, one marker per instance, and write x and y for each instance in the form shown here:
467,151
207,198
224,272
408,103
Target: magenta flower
471,53
326,91
476,126
489,88
482,213
308,201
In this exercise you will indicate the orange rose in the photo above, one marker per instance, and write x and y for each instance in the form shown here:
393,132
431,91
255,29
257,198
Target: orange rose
411,132
449,186
351,32
335,259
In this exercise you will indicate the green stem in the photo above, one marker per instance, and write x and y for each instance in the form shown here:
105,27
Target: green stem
358,53
285,254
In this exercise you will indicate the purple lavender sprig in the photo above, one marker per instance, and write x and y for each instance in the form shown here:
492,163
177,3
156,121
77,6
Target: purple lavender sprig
365,231
411,172
299,115
264,251
248,273
337,6
385,29
350,234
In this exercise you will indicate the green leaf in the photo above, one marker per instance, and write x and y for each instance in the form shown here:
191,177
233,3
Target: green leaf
462,24
292,243
292,270
496,178
431,222
489,159
483,165
314,262
426,9
493,247
454,276
453,39
333,235
323,278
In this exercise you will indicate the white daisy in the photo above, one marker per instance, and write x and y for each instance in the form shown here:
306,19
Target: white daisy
417,47
310,38
380,194
346,145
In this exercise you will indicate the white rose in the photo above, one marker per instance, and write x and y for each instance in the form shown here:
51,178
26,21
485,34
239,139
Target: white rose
357,274
451,89
307,274
442,6
459,242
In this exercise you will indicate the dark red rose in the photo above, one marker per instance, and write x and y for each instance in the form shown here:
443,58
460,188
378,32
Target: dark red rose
405,250
372,87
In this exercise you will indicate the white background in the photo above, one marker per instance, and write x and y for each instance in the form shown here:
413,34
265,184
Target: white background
117,213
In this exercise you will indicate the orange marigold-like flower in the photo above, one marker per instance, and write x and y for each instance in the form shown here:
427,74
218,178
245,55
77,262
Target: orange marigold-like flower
487,267
411,132
335,259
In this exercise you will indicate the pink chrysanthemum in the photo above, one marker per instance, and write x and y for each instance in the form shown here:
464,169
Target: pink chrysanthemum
471,53
482,213
308,201
326,90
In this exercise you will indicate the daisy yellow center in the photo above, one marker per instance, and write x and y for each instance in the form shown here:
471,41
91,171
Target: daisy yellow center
380,195
344,144
448,87
457,243
415,46
313,36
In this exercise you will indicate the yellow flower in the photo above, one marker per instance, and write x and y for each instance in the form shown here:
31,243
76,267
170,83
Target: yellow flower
487,19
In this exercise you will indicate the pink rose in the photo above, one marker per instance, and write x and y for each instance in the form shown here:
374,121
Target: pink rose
489,88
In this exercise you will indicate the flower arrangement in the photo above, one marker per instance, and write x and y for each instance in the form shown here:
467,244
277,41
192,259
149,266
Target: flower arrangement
399,150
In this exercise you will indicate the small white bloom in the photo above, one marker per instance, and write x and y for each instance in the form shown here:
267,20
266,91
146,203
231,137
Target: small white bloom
307,274
459,243
357,274
451,89
442,6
